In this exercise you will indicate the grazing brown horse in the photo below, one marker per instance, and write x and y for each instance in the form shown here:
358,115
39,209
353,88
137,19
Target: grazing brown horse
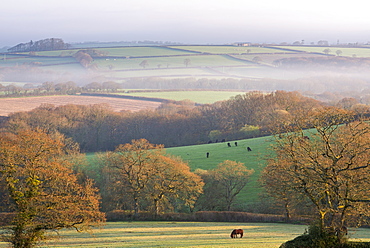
235,232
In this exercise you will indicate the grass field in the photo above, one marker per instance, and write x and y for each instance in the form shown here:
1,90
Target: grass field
346,51
194,96
195,156
219,152
228,49
185,234
122,63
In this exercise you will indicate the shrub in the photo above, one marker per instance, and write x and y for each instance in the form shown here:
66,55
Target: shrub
315,238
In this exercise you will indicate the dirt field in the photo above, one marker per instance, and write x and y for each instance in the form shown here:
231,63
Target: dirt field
11,105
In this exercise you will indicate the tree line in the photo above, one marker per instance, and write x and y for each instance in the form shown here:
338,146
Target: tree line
98,128
40,45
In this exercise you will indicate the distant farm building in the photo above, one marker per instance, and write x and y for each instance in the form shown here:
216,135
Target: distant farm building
244,44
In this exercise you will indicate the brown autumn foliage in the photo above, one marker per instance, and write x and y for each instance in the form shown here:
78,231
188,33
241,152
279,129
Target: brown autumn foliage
327,165
99,128
141,173
44,192
222,185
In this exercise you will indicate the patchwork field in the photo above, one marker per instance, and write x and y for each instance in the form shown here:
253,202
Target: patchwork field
11,105
185,234
125,62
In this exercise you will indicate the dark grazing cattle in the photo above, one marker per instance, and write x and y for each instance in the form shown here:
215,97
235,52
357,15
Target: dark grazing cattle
207,154
236,143
235,232
228,144
249,149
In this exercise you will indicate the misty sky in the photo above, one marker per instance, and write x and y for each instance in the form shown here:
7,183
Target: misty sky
185,21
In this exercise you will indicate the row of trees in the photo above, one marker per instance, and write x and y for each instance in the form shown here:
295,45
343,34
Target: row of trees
98,128
40,45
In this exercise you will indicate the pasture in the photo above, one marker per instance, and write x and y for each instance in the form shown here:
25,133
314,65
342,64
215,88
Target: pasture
228,49
185,234
195,156
219,152
194,96
346,51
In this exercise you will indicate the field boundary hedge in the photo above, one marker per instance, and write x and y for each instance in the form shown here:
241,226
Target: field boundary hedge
205,216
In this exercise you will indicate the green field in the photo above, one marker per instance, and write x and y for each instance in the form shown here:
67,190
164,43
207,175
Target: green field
121,63
195,156
228,49
169,62
194,96
346,51
185,234
219,152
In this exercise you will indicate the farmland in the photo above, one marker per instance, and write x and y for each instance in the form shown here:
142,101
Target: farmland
195,156
194,96
11,105
185,234
219,152
122,63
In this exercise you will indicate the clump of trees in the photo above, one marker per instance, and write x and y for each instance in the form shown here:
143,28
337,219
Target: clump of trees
40,45
140,176
40,186
222,185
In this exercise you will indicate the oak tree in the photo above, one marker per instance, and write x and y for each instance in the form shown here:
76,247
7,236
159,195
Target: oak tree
328,165
43,190
140,171
223,184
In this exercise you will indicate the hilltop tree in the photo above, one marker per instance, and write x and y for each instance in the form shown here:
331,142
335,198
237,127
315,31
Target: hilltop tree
329,166
42,188
144,64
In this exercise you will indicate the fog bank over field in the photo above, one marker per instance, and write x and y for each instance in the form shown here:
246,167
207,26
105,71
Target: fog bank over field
343,70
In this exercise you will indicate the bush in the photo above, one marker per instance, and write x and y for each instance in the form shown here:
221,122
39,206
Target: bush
315,238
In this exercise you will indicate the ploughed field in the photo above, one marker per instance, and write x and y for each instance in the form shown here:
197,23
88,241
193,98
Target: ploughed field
11,105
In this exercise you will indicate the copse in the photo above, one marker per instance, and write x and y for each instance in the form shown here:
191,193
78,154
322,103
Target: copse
140,176
222,185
